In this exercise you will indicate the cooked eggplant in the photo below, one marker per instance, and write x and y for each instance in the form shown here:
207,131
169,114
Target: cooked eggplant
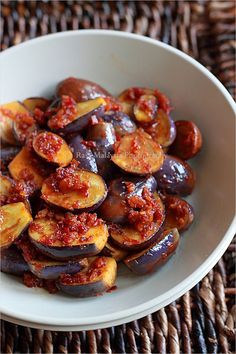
121,122
130,239
12,261
145,109
52,148
26,166
82,153
5,188
129,97
162,129
112,251
8,114
67,238
137,153
114,207
175,176
188,140
7,153
36,102
49,269
156,255
14,219
80,90
78,118
132,185
23,127
179,213
99,277
103,134
76,190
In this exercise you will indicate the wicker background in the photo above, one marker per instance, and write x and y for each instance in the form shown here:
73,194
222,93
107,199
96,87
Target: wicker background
203,320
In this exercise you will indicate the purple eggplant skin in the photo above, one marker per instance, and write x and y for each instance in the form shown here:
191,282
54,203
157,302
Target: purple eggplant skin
175,177
67,252
12,261
81,90
118,186
103,134
114,207
52,269
82,122
7,154
121,122
156,255
82,153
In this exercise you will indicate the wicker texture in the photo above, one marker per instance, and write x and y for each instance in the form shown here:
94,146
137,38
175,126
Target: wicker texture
203,320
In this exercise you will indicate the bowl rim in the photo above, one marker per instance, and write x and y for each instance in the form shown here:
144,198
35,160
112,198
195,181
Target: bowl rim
200,272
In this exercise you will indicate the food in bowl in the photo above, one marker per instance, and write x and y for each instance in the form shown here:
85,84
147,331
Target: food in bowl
89,180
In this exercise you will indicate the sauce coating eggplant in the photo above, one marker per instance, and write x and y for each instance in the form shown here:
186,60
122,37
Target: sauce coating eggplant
57,158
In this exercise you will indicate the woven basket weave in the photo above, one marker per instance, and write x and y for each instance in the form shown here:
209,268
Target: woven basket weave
203,320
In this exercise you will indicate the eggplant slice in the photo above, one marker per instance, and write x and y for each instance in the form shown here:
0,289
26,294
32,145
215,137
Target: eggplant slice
50,269
12,261
137,153
99,277
8,114
43,234
52,148
14,219
26,166
157,254
89,195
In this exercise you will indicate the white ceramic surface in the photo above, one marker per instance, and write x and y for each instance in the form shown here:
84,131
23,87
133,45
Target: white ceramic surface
118,60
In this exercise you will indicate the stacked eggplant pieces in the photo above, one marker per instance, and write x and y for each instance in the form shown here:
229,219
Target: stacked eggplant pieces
89,180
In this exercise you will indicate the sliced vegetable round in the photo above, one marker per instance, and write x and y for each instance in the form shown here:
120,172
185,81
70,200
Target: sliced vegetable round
80,90
121,122
137,153
114,207
72,117
49,269
7,154
175,176
27,167
76,190
82,153
36,102
67,238
14,219
99,277
9,113
188,140
5,188
156,255
12,261
112,251
162,129
145,109
130,96
179,213
52,148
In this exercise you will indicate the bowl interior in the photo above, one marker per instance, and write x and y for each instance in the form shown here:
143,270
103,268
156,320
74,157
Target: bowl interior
117,61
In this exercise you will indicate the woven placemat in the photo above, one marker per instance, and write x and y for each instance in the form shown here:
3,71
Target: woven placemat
203,320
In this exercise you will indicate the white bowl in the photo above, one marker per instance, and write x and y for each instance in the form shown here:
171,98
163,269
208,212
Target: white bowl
118,60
